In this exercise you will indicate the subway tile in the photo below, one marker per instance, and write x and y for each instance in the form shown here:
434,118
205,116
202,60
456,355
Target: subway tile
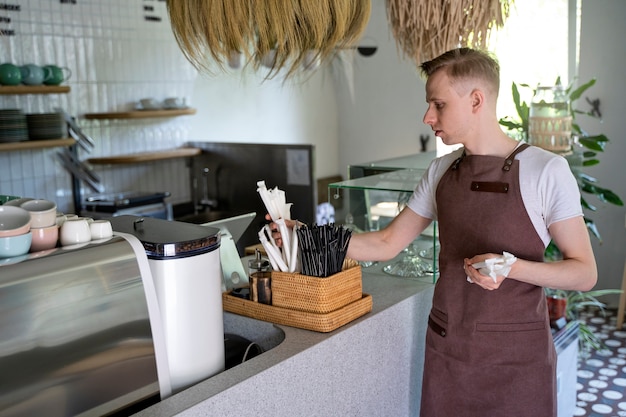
116,58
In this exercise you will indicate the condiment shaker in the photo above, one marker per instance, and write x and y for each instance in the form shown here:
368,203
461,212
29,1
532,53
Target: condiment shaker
260,279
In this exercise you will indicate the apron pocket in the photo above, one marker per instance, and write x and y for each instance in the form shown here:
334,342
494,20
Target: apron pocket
510,327
437,321
441,331
512,344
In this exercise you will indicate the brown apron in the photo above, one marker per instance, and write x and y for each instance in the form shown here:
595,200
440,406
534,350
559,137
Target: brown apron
488,353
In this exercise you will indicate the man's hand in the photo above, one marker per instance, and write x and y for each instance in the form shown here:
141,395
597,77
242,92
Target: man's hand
276,232
475,277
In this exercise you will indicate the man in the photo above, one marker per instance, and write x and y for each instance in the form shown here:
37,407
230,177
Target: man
489,349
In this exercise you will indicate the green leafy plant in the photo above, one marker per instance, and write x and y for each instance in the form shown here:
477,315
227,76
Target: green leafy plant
576,302
592,144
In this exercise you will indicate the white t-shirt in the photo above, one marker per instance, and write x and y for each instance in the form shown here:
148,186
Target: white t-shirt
549,189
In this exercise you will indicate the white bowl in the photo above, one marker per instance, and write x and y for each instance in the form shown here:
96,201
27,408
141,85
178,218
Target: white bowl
42,212
14,221
11,246
75,231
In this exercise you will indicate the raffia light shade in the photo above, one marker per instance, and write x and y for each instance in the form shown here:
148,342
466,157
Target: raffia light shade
210,31
424,29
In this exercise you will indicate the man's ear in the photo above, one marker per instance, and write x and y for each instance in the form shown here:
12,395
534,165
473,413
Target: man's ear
478,99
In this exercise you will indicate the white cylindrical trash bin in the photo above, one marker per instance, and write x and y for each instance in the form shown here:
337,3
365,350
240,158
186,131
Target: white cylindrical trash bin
185,263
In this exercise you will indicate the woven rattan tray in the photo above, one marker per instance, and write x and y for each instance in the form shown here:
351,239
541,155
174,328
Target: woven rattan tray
325,322
316,295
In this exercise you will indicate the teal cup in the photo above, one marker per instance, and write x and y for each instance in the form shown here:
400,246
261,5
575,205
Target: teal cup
33,74
10,74
56,75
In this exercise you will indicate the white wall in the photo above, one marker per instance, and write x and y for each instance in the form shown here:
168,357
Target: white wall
384,118
118,57
603,56
243,106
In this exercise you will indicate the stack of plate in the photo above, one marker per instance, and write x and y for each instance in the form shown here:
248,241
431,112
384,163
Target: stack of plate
46,126
13,127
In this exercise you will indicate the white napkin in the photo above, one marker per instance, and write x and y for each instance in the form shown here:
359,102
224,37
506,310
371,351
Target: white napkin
284,259
275,202
493,267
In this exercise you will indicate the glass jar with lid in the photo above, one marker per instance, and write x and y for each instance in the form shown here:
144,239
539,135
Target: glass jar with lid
550,120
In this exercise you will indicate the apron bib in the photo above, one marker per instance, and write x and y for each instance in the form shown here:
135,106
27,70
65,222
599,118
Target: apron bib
488,353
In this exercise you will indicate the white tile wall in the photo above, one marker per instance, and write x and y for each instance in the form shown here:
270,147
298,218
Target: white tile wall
116,57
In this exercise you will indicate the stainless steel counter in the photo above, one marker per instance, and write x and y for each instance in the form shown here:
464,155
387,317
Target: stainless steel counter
369,367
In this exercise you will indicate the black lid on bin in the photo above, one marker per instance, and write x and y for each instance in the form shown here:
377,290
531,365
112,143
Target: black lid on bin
165,239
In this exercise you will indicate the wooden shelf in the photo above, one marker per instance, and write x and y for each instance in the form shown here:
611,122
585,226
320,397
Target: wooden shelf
145,156
141,114
36,144
34,89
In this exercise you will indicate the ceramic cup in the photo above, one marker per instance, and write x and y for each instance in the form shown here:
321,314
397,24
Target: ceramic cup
61,218
234,59
311,60
75,231
34,74
44,238
174,103
149,104
56,74
42,212
269,59
10,74
100,229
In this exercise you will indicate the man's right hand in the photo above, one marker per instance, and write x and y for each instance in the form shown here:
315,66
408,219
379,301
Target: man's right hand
276,232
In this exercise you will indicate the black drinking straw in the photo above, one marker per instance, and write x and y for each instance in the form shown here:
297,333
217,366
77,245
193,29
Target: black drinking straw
322,249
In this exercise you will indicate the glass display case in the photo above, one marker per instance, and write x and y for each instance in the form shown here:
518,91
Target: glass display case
371,202
414,161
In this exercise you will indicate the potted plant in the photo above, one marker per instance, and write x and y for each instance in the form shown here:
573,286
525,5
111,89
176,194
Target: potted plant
584,154
592,144
574,302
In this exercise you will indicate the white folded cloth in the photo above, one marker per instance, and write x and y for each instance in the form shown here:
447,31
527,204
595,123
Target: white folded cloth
493,267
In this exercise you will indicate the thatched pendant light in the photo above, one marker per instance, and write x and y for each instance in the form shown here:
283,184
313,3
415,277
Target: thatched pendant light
424,29
210,31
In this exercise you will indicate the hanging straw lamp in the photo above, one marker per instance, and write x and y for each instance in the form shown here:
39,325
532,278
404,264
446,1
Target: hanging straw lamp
424,29
211,31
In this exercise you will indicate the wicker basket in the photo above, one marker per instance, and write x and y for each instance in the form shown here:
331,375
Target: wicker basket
316,295
301,319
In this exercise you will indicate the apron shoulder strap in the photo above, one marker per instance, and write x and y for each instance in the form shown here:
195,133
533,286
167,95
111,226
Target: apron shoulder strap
509,159
457,161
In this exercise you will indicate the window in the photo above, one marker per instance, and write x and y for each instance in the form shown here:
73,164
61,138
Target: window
534,47
538,43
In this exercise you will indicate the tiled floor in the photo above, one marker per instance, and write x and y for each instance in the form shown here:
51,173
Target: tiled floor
601,389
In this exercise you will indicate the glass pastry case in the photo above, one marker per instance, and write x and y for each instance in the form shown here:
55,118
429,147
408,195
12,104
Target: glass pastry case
371,202
413,161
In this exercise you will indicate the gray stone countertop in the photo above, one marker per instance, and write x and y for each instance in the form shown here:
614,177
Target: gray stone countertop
370,366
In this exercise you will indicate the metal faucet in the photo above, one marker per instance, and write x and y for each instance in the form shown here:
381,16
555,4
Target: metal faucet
205,201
